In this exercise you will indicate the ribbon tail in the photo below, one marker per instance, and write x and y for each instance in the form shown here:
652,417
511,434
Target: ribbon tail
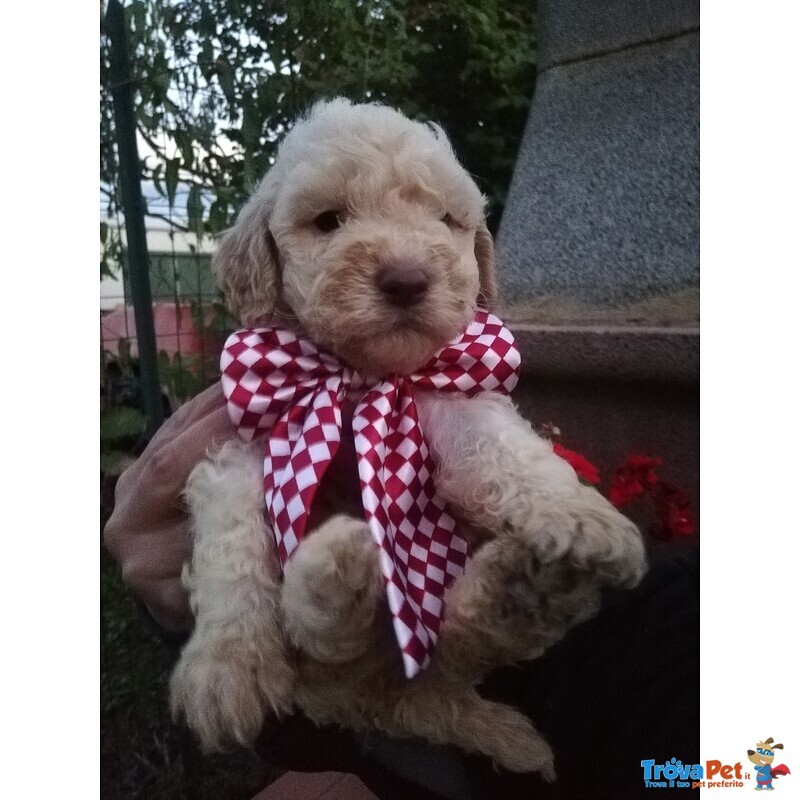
420,552
299,451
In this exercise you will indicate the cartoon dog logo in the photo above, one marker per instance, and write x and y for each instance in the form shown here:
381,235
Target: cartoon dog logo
762,757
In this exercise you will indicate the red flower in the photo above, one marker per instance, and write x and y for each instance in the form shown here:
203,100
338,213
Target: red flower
636,477
679,522
582,466
672,506
640,462
632,478
624,489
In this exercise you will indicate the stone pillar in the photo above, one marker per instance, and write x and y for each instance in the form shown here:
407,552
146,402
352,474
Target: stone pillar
602,219
598,247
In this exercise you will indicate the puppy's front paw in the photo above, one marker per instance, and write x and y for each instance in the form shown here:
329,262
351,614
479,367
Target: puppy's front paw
519,747
224,690
610,543
589,532
331,590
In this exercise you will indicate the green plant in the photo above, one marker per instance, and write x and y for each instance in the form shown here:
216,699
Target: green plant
120,430
219,82
122,424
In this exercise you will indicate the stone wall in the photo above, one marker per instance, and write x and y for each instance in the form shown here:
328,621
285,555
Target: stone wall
598,247
602,218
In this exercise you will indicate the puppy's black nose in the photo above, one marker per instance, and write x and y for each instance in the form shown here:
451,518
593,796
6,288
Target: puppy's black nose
403,284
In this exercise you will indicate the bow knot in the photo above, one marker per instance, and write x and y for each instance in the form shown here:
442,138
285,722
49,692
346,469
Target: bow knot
279,383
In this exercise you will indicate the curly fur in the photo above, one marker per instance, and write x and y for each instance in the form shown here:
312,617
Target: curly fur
319,639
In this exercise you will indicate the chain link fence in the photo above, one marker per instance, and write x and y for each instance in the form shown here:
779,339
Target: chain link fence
143,754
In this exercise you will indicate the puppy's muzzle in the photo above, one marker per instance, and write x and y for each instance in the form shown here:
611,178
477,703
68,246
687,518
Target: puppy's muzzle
403,283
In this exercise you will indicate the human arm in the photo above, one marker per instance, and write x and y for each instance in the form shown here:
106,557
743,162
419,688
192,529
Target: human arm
147,533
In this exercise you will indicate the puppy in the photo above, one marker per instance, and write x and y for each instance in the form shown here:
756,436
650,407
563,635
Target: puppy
369,235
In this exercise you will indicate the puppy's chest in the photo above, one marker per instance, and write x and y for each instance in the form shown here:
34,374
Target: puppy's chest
340,490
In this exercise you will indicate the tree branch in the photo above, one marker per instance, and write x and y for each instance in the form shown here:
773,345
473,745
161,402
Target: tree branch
150,141
164,218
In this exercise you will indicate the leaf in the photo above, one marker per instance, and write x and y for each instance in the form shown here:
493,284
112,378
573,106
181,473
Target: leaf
218,216
187,150
171,179
251,128
207,53
115,462
119,423
156,178
103,232
124,356
138,15
198,315
194,210
227,81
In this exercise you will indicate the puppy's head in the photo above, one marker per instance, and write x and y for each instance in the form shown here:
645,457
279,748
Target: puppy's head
366,231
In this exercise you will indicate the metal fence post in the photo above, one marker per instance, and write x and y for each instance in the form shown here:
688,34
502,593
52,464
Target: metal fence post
133,208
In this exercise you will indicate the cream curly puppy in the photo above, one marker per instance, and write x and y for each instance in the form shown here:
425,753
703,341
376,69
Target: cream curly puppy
369,234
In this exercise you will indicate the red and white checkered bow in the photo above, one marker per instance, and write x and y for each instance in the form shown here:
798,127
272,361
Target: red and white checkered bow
282,384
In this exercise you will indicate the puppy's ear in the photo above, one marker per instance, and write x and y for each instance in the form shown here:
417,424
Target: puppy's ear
246,264
484,255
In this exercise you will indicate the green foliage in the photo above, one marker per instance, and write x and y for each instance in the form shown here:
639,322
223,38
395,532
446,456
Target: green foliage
121,423
184,376
141,754
219,82
122,636
120,429
110,250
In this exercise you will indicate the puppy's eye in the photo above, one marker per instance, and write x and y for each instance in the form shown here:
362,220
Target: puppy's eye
449,221
328,221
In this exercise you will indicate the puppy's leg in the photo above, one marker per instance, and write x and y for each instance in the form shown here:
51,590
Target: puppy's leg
331,589
509,606
234,671
503,478
447,713
330,597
